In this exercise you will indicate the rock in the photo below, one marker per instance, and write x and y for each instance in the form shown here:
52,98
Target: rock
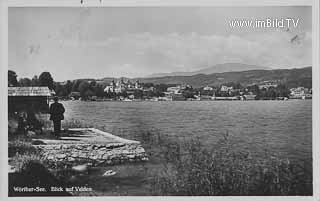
114,145
102,149
95,157
78,147
75,155
71,159
50,157
65,146
105,156
81,168
38,142
61,156
82,155
109,173
144,159
11,169
109,162
99,162
31,133
94,147
125,152
140,150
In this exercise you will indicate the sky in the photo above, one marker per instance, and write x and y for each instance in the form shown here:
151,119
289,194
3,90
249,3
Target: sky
73,43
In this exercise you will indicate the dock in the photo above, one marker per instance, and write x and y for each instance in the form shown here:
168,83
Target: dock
89,145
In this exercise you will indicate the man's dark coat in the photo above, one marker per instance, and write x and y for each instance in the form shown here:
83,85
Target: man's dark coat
56,112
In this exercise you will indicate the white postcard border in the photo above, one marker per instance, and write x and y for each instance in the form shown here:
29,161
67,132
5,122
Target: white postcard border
105,3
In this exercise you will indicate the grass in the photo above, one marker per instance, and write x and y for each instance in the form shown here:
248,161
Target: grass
65,124
31,168
21,152
33,174
20,149
20,146
193,170
20,161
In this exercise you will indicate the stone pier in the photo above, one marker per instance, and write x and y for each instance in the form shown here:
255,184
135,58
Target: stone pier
89,145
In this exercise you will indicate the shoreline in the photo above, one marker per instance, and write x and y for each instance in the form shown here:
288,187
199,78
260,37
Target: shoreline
295,99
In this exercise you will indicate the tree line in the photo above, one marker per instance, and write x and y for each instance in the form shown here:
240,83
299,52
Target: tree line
89,87
44,79
85,87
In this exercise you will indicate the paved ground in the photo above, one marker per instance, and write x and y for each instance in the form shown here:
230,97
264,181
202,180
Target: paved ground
82,136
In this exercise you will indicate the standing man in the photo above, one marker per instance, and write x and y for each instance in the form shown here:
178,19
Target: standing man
56,115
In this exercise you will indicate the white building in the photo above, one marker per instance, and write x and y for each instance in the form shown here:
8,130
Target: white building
299,92
174,90
121,86
226,88
207,88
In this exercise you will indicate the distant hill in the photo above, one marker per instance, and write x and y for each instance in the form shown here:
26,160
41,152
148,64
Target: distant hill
291,77
219,68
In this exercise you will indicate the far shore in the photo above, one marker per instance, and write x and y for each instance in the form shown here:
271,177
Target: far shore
150,100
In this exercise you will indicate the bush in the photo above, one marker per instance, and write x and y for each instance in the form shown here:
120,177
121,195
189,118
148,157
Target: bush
20,147
223,171
65,124
20,161
33,174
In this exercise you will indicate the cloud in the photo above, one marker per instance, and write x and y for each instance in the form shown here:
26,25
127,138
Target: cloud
141,54
178,52
88,42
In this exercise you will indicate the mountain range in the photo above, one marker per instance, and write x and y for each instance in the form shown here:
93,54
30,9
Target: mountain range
291,77
219,68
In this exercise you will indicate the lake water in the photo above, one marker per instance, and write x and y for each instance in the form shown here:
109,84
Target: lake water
283,127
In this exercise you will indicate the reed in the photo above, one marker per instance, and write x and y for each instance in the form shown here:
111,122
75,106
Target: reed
194,170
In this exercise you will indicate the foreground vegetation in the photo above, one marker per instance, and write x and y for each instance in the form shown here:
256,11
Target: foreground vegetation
31,170
193,170
187,168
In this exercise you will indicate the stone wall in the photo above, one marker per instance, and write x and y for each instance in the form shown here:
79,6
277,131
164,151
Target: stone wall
67,155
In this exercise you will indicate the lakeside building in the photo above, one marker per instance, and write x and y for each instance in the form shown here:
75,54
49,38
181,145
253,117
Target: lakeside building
174,90
248,97
175,93
121,86
229,90
226,98
267,84
22,99
205,97
300,93
174,96
164,98
149,89
74,95
207,88
226,89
